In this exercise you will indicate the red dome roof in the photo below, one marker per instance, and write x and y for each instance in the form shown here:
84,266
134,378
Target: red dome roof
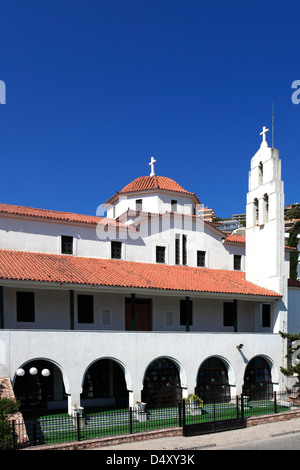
154,182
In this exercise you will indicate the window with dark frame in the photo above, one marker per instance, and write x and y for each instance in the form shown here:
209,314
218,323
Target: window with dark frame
66,245
25,307
183,312
266,315
160,254
201,258
184,250
173,205
228,314
85,308
177,249
139,205
237,262
116,250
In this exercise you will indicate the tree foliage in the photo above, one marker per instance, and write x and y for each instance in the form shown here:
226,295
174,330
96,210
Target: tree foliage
293,214
293,346
7,406
293,242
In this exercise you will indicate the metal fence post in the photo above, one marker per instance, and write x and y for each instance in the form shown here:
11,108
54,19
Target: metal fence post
14,434
242,406
179,413
78,426
275,402
183,419
130,421
34,435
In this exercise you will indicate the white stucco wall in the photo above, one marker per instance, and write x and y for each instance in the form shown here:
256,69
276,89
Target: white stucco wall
52,311
74,351
44,236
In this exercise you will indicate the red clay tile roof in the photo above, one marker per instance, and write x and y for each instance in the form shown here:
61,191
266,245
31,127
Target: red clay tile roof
48,214
235,238
154,182
56,215
26,266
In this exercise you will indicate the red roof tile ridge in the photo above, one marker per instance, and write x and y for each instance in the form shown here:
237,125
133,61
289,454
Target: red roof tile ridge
47,213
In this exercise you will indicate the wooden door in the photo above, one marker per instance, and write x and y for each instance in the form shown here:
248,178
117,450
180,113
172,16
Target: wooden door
143,314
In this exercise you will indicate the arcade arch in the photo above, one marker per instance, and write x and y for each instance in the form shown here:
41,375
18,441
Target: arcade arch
162,383
105,384
213,380
40,384
260,374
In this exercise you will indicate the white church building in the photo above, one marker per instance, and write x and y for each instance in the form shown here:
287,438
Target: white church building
148,302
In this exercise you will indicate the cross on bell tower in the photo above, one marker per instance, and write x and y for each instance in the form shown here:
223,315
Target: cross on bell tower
263,133
152,166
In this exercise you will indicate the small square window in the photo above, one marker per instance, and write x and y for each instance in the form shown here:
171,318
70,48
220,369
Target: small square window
85,308
174,205
66,245
160,254
201,258
25,307
139,205
116,250
237,262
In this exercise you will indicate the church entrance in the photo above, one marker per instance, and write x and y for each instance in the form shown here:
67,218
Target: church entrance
162,384
212,381
143,315
257,380
104,385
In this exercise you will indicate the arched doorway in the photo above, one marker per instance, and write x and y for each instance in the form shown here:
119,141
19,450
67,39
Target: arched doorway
257,379
104,385
162,384
39,385
212,381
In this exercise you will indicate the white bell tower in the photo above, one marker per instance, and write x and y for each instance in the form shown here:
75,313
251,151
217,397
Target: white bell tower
265,242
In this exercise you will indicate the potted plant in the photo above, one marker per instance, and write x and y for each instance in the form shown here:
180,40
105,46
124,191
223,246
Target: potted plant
195,403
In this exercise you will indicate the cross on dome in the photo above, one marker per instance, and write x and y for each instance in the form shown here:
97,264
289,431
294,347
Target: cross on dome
152,166
263,133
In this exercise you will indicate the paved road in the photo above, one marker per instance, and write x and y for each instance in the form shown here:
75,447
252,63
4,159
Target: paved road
283,435
284,442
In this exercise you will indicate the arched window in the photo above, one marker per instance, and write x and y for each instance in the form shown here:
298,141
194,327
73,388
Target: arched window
256,211
260,173
161,384
212,381
266,207
257,379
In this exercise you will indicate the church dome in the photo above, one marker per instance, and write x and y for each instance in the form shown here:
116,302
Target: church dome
146,183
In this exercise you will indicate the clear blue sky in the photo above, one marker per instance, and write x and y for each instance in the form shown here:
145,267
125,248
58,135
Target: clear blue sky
94,88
